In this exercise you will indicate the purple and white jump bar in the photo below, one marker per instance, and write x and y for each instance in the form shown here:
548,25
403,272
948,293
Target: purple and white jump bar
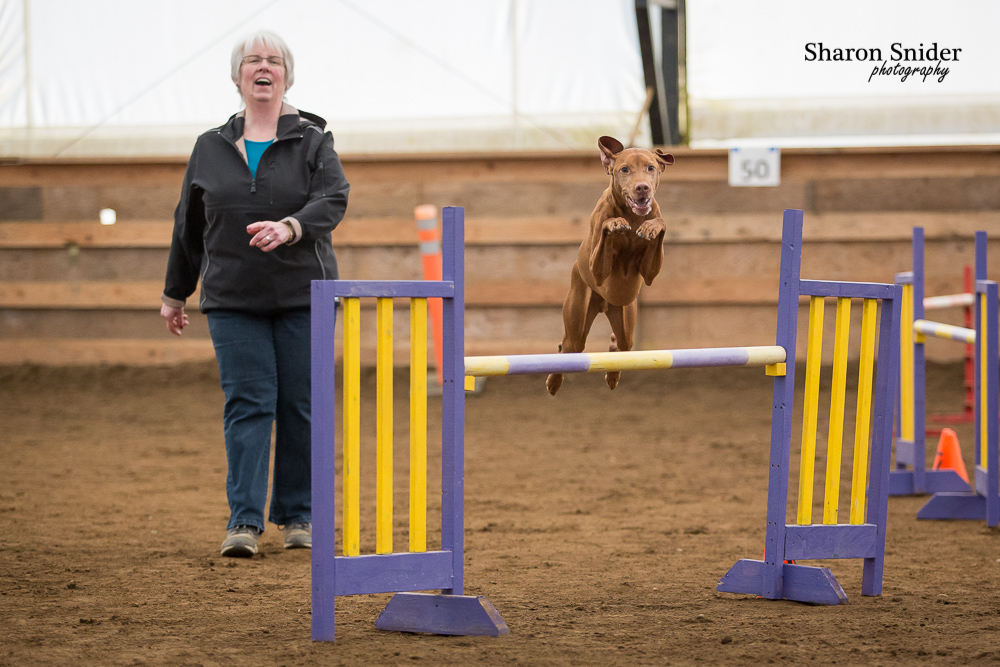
948,331
584,362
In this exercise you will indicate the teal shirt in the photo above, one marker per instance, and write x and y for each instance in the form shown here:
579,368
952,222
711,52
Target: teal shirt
254,150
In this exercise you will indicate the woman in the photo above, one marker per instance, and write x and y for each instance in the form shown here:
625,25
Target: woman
261,195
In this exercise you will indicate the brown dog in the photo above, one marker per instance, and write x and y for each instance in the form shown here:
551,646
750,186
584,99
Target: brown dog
625,245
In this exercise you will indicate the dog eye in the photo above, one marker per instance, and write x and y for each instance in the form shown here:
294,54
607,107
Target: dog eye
650,168
624,170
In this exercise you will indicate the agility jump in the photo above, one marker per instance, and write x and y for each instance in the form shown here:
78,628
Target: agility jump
952,498
910,474
451,612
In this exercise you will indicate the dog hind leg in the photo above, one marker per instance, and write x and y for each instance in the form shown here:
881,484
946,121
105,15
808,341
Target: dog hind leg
579,311
622,321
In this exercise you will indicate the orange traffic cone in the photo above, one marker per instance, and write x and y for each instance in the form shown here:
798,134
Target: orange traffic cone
949,455
787,562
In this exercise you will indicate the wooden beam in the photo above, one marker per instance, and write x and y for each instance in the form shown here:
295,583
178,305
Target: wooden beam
537,230
352,232
72,172
85,352
169,351
145,295
84,295
564,166
135,234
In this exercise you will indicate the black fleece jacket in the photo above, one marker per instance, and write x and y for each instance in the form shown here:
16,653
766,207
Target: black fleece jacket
299,176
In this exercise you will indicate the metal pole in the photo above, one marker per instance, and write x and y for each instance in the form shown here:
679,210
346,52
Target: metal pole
29,112
670,70
651,75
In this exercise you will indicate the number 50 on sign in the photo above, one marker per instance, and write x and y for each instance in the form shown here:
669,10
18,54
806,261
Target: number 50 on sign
754,167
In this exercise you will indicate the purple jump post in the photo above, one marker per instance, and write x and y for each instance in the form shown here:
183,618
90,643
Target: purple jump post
984,501
773,578
448,612
910,475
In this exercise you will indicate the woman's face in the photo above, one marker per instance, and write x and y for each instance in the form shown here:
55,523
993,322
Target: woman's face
262,75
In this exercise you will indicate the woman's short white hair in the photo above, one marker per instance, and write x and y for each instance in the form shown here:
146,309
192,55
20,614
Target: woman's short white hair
267,39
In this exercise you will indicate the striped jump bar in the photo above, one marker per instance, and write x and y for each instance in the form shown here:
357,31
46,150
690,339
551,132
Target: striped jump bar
949,301
772,356
948,331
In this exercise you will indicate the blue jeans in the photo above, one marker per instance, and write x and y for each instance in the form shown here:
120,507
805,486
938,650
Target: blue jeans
264,369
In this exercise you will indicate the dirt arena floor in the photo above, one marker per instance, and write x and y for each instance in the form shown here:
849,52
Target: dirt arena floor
598,523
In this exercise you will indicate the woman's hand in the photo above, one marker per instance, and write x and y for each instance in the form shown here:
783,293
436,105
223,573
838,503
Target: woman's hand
268,235
175,317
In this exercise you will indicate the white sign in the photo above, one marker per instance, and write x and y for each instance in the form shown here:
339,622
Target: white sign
754,167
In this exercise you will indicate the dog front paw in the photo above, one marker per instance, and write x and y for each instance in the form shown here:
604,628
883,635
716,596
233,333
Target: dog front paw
651,229
616,226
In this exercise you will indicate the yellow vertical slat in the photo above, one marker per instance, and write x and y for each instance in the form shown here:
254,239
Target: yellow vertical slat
984,408
383,456
810,410
838,390
862,429
352,427
418,424
906,388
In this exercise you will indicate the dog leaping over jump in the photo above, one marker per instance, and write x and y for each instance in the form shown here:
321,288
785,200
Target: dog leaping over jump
624,248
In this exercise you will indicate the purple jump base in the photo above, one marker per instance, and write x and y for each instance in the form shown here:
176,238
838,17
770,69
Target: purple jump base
466,615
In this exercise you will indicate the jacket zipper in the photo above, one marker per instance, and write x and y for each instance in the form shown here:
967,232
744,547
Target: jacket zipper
253,179
319,259
208,263
271,179
322,175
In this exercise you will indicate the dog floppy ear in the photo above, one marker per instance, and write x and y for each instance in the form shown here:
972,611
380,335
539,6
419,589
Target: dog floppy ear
610,148
664,159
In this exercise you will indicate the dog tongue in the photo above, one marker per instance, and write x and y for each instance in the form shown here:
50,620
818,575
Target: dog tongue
640,205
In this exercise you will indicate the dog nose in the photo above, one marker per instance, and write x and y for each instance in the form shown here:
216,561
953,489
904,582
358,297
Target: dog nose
642,188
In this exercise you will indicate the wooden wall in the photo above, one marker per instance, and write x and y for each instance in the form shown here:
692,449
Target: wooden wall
72,291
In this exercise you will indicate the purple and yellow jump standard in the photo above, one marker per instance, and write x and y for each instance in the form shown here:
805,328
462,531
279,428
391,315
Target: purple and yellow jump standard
418,569
910,475
863,535
984,501
952,497
389,571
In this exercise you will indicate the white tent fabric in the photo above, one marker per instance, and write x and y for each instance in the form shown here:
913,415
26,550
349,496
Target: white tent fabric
128,77
750,82
105,74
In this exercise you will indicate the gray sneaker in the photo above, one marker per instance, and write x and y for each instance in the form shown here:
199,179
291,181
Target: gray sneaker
298,535
241,542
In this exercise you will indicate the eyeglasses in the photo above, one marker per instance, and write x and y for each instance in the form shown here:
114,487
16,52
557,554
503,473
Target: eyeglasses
273,61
